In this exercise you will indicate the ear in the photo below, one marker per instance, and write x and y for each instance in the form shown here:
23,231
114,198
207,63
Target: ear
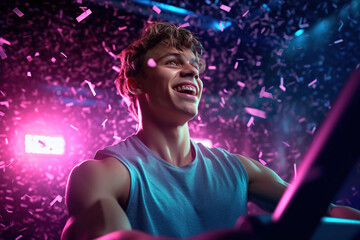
133,86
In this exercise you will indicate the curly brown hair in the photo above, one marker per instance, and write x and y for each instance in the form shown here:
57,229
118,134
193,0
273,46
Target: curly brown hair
132,57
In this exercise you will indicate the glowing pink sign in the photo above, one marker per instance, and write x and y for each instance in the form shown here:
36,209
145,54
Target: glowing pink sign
44,144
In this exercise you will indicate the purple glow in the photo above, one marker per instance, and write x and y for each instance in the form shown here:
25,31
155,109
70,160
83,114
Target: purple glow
44,144
205,142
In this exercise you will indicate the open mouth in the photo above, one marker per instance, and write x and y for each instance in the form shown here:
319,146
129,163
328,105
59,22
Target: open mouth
186,89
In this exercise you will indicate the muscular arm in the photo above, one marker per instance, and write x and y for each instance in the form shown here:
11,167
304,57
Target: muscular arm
265,186
92,204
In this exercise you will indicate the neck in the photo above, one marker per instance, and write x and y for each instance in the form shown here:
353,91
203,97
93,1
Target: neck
171,143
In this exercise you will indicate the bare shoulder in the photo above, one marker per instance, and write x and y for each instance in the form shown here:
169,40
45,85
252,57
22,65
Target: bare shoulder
92,179
257,172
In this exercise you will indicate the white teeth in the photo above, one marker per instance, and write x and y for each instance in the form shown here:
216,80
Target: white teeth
187,87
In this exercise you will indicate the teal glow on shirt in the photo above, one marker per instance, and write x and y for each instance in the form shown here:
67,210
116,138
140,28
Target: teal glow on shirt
207,194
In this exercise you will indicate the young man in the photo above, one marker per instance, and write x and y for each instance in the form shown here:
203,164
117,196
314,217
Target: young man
159,182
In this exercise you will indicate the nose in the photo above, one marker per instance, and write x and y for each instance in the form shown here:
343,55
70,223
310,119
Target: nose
188,70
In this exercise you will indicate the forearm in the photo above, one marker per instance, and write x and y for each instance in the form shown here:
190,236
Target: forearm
338,211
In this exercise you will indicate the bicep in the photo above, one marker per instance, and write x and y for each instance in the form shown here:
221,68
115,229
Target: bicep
93,209
265,186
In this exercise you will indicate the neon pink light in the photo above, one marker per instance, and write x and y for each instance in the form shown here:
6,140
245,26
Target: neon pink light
44,144
205,142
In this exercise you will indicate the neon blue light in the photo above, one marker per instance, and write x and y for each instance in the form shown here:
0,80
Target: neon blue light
165,7
340,220
299,32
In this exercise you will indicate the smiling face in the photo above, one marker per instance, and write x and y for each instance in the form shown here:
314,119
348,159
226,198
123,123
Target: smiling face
172,89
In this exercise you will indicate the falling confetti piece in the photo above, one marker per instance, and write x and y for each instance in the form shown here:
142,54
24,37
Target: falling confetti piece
262,162
116,68
103,123
83,15
241,84
53,60
18,12
236,65
256,112
212,67
221,27
245,13
2,53
225,8
151,63
295,170
312,83
73,127
338,41
250,122
122,28
58,198
4,41
91,86
156,9
184,25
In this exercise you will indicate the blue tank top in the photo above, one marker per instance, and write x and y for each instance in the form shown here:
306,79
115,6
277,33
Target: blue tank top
165,200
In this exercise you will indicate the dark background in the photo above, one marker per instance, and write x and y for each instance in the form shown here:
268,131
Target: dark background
55,99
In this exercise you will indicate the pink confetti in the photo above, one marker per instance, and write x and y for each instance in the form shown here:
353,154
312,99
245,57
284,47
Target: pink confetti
63,54
91,86
256,112
221,27
258,64
151,63
83,15
4,41
236,65
37,54
29,58
73,127
29,74
184,25
225,8
295,170
70,104
18,12
5,103
250,122
212,67
156,9
265,94
122,28
58,198
286,144
312,83
262,162
245,13
280,52
103,123
241,84
2,114
53,60
116,69
301,120
281,86
2,53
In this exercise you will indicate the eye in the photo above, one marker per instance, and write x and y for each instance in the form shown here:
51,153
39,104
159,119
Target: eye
172,62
